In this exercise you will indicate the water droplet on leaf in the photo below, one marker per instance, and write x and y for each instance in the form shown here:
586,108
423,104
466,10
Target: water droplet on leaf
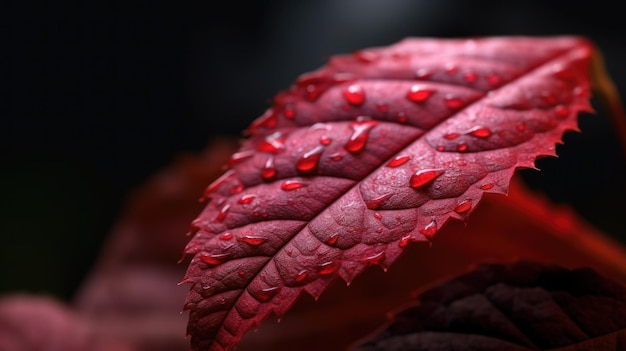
418,94
354,94
423,177
398,161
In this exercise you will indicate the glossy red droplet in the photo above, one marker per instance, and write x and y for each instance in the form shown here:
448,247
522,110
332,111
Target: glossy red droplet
329,267
332,240
246,199
267,120
493,79
486,186
561,111
440,148
453,103
301,276
424,176
375,258
418,93
325,140
404,241
461,147
377,215
358,139
237,189
336,157
450,68
423,73
398,161
382,107
377,202
289,185
521,127
310,159
470,77
463,206
213,260
289,112
269,170
252,240
222,214
429,230
273,143
217,183
451,136
480,132
354,95
226,236
402,117
239,157
266,294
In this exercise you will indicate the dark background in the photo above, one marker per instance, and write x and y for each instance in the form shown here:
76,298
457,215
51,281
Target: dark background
97,95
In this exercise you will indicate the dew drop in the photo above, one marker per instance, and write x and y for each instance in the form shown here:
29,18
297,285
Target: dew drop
440,148
213,260
451,136
418,94
217,183
267,294
252,240
273,143
382,107
289,112
309,160
354,94
429,230
237,189
378,215
329,267
377,202
246,199
424,176
561,111
289,185
423,73
325,140
301,276
222,214
398,161
470,77
226,236
493,79
267,120
239,157
313,91
454,103
450,68
375,258
463,206
269,170
480,132
366,56
336,157
404,241
521,127
241,273
358,139
486,186
461,147
332,240
402,117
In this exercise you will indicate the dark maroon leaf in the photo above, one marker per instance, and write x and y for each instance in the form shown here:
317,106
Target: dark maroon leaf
366,154
521,306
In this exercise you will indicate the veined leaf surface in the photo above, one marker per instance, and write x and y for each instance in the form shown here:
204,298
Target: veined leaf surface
366,154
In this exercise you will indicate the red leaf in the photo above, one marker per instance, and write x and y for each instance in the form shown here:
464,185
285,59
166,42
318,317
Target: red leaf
360,157
522,306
